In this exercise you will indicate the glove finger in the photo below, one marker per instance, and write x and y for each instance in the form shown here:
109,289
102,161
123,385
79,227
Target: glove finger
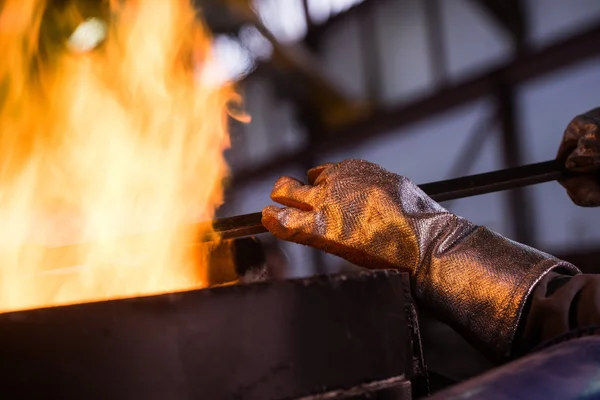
315,174
583,190
290,224
292,193
584,125
309,228
570,138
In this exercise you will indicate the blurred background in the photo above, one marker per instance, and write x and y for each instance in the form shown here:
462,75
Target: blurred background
430,89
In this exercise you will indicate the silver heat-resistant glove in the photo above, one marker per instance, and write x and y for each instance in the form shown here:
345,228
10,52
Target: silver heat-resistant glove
471,277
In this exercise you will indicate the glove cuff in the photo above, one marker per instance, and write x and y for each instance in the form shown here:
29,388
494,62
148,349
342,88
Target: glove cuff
478,282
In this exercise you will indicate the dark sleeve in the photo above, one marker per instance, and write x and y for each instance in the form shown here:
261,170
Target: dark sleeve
559,304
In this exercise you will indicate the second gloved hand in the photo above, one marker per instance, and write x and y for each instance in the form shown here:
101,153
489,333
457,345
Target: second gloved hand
580,149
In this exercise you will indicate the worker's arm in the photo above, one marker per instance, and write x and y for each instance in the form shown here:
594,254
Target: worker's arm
561,305
485,286
467,275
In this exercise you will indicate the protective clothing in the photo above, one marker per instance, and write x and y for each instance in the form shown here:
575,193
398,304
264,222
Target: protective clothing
467,275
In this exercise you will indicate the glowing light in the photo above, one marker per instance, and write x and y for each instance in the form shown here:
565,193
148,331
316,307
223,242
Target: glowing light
95,145
88,35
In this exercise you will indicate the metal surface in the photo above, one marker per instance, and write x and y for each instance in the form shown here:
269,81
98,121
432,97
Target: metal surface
567,369
250,224
270,340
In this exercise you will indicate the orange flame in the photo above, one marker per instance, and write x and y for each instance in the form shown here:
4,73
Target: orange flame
123,139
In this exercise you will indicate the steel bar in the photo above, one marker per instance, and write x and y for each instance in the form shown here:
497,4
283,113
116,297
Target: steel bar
452,189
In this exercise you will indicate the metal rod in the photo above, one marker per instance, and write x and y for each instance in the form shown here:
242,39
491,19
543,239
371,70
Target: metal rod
452,189
250,224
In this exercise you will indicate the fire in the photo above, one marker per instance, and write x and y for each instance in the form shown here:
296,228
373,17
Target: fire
96,143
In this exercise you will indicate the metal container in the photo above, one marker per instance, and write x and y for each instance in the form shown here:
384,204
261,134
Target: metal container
347,335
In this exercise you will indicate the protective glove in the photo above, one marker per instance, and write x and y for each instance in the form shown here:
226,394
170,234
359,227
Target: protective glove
472,278
580,149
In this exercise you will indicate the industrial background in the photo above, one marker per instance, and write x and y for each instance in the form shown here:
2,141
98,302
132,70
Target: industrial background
430,89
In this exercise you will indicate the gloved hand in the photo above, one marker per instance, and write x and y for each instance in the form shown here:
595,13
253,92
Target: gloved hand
471,277
352,209
580,149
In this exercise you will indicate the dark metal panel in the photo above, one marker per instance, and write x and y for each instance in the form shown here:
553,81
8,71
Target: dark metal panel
269,340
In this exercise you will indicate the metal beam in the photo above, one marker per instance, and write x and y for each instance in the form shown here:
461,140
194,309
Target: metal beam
329,101
384,123
436,43
470,153
370,50
519,206
510,15
307,17
313,36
